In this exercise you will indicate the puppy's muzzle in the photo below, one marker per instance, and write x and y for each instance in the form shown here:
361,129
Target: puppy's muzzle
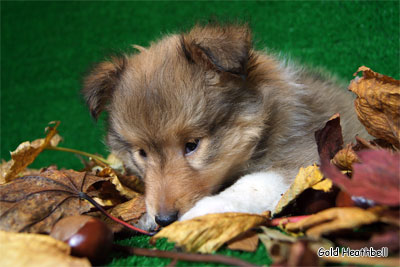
166,219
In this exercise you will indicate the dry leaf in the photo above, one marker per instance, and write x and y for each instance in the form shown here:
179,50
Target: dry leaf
283,246
309,177
125,191
26,153
329,139
345,158
130,211
35,203
208,233
276,243
378,104
334,219
21,249
247,241
377,178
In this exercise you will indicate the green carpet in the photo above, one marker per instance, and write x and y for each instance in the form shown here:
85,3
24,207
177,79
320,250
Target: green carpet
46,48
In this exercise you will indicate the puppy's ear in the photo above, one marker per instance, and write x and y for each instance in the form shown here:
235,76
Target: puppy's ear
223,48
99,85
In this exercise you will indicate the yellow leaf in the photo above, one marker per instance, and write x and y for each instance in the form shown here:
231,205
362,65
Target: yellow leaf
309,177
334,219
378,104
208,233
21,249
27,152
325,185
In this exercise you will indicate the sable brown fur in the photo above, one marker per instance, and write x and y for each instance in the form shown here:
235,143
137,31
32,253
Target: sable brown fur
250,111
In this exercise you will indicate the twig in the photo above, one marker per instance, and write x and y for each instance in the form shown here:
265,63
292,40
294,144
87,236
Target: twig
100,208
183,256
70,150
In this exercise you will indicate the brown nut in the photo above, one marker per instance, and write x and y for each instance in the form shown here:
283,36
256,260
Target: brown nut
87,236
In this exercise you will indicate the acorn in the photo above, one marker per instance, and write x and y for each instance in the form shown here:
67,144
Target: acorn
87,236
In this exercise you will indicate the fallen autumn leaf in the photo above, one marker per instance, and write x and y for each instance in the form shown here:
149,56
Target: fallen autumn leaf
377,177
208,233
26,153
35,203
378,104
334,219
309,177
21,249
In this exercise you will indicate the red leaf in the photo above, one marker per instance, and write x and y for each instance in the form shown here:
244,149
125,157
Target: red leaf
376,178
329,139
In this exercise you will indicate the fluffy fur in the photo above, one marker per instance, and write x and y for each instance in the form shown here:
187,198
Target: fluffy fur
252,117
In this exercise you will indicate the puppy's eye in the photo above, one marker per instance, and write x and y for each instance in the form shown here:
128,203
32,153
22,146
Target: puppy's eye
190,147
142,153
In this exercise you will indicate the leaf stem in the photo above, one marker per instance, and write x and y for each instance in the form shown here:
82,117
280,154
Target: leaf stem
70,150
184,256
100,208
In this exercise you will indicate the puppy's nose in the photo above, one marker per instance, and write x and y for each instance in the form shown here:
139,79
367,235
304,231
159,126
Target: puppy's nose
166,219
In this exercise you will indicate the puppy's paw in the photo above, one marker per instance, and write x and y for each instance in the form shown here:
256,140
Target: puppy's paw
207,205
146,222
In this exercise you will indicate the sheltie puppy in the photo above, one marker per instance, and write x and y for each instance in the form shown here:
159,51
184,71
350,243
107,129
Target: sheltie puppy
212,125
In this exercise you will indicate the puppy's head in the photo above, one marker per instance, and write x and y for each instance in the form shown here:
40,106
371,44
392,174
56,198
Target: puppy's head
181,115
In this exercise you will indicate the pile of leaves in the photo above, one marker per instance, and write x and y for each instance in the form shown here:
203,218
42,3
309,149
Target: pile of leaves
351,200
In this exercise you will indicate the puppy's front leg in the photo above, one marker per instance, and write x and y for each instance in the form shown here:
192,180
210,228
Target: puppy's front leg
253,193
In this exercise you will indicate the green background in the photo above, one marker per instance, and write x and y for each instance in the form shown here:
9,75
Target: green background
47,47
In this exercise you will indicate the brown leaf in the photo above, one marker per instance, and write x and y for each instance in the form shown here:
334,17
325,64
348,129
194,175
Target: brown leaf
377,178
130,211
208,233
124,190
329,139
378,104
334,219
247,241
345,158
21,249
309,177
282,247
35,203
26,153
276,243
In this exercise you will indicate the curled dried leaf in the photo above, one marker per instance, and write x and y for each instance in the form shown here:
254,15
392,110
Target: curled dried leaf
130,211
27,152
329,139
334,219
345,158
208,233
309,177
124,190
378,104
